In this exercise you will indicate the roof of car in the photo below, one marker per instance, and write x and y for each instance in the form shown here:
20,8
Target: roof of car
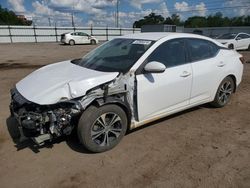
155,36
158,35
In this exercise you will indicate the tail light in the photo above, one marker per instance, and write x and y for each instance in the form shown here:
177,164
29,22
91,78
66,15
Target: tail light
242,59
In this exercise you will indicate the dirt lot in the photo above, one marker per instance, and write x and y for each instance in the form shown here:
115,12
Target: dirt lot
201,147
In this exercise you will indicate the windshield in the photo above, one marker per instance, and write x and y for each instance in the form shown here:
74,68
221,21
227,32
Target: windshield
117,55
227,36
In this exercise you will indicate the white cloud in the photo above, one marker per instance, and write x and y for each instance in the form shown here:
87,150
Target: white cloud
239,10
185,7
17,5
201,8
42,13
139,3
163,10
86,6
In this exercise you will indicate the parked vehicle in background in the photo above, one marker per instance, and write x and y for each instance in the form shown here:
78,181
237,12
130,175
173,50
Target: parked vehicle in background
73,38
123,84
240,41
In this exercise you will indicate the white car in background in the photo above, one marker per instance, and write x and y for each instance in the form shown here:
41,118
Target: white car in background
73,38
240,41
123,84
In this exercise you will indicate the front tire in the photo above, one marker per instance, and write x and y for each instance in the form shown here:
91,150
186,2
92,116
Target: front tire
231,46
224,92
102,128
93,42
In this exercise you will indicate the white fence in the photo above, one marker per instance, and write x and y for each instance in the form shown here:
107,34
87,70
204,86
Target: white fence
12,34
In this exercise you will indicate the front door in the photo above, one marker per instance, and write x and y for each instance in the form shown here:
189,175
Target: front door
159,93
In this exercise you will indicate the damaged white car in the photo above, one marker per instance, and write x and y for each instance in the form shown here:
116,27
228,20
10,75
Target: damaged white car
123,84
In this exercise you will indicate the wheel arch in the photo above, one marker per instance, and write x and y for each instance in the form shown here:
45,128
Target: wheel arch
117,101
234,79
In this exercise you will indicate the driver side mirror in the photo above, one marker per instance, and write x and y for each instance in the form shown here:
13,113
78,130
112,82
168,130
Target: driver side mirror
154,67
238,38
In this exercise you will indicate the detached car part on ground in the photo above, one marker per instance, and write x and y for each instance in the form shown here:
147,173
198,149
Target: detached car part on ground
123,84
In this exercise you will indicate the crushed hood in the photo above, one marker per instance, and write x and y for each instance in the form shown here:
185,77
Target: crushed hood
60,81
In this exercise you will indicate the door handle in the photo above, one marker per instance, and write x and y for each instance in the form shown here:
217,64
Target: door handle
221,64
185,74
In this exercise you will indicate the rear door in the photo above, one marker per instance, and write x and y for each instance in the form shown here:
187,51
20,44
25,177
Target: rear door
207,68
159,93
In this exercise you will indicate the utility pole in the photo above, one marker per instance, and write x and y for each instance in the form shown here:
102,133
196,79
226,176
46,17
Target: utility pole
117,13
72,19
49,21
72,15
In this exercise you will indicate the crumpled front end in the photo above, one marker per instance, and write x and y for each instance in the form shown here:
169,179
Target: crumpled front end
43,122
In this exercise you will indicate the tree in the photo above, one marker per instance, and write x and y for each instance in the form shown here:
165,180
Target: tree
196,21
216,20
10,18
152,18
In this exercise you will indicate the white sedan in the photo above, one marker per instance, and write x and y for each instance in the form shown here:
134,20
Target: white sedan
240,41
73,38
123,84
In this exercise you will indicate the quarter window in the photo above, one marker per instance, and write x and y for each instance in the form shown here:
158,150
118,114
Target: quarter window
170,53
200,49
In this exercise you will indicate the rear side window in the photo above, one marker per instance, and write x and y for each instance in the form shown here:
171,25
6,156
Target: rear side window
200,49
244,36
170,53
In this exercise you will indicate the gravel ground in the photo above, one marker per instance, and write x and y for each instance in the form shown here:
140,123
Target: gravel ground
201,147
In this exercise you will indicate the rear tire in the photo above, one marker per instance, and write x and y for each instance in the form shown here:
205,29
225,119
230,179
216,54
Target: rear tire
102,128
224,92
71,42
248,47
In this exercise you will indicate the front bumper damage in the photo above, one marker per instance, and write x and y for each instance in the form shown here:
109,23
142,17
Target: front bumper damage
43,122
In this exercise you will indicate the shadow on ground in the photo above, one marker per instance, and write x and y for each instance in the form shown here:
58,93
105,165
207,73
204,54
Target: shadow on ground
72,140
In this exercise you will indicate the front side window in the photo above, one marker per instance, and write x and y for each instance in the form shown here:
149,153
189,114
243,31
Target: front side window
227,36
117,55
170,53
200,49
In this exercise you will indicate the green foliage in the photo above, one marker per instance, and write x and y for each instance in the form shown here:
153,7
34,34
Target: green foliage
10,18
152,18
216,20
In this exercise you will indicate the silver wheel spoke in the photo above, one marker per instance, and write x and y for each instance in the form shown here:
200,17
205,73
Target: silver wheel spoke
105,140
116,132
115,118
102,120
227,85
96,134
225,92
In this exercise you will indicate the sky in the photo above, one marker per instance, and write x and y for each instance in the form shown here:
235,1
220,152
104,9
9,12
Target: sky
102,12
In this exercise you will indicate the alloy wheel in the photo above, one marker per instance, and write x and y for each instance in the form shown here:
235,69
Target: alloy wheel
225,92
106,129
